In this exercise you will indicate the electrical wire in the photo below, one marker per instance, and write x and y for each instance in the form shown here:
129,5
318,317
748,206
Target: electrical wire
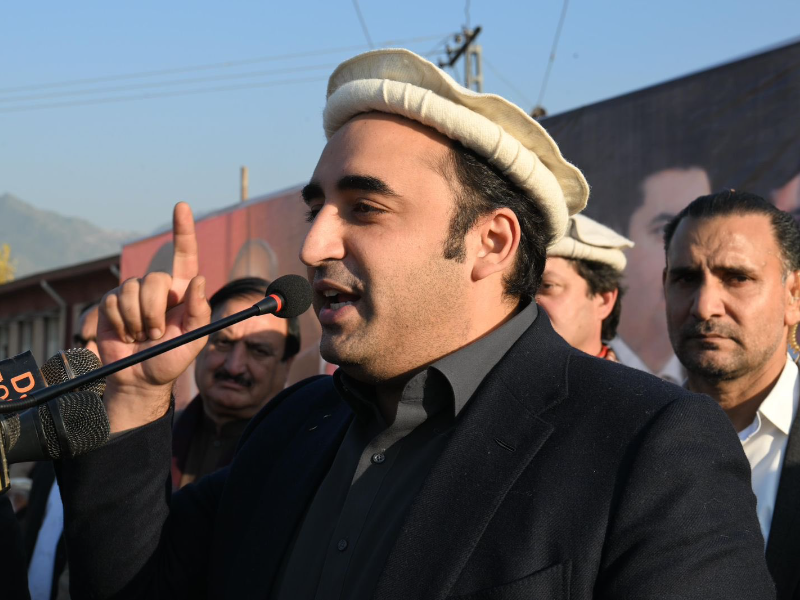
246,86
211,66
511,86
363,24
158,84
553,53
438,48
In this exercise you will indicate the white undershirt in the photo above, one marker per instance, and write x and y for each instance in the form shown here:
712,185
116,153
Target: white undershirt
764,441
672,371
40,571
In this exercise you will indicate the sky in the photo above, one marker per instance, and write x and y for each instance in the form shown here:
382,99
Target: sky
114,111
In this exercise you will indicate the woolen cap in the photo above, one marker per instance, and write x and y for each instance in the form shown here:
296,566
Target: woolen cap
589,240
399,82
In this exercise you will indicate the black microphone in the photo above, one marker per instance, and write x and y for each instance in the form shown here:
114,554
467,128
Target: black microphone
69,364
68,426
287,297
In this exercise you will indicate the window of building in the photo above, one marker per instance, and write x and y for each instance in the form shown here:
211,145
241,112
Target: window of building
25,335
4,342
52,331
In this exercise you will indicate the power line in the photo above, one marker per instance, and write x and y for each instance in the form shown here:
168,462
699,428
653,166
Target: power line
437,49
552,53
246,86
514,88
157,84
363,24
211,66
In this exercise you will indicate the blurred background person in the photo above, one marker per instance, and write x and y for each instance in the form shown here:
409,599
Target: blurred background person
43,524
581,286
732,289
86,331
240,369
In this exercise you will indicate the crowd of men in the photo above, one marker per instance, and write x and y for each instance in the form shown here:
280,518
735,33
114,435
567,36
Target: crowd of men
480,438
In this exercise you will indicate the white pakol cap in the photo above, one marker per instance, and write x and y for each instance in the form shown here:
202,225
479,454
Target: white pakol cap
586,239
399,82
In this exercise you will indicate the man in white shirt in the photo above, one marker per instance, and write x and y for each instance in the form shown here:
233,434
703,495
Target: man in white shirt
732,289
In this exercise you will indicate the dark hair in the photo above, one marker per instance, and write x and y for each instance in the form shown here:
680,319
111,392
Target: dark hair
602,278
482,189
256,286
88,308
730,202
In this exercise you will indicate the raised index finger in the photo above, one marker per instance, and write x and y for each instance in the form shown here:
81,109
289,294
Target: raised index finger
184,257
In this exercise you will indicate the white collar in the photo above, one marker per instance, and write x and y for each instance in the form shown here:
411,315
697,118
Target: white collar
780,405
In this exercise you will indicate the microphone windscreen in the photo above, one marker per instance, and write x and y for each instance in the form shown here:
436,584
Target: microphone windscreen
71,363
295,292
85,424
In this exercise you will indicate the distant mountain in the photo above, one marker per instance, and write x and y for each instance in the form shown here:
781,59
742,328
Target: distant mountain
41,240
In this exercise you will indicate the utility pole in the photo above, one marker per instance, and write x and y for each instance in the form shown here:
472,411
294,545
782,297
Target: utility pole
243,185
473,58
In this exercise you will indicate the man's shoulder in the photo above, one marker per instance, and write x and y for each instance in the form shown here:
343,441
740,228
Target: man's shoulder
589,371
624,394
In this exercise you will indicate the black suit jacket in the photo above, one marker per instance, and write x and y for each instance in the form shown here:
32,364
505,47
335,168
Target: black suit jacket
566,477
783,548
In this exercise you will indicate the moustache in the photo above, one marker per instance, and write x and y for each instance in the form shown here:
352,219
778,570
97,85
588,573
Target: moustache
705,328
338,272
223,375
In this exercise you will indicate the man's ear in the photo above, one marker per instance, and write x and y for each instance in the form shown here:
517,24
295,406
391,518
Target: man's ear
498,236
605,303
792,312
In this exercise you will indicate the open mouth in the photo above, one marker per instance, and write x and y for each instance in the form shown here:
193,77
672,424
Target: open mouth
336,300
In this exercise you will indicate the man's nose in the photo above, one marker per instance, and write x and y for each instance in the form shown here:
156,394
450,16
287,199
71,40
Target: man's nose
236,359
708,301
325,240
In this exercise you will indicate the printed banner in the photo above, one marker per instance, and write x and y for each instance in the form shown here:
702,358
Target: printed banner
648,154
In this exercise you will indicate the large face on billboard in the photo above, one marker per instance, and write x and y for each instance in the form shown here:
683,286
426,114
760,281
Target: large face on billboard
643,326
787,197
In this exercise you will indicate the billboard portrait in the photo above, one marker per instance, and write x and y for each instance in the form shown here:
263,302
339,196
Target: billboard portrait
648,154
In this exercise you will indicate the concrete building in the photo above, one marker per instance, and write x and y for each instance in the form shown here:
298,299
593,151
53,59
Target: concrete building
40,312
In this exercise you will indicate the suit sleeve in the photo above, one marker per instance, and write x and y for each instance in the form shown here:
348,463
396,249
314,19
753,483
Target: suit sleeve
123,539
685,523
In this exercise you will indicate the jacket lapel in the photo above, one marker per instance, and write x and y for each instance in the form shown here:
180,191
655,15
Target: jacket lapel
281,499
783,547
495,438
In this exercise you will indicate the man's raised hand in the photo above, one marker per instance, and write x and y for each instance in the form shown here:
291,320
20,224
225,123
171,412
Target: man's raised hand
143,312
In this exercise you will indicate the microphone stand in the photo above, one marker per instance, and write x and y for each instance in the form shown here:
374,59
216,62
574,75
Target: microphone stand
270,304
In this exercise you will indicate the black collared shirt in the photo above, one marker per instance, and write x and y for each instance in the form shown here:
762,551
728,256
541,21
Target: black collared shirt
351,525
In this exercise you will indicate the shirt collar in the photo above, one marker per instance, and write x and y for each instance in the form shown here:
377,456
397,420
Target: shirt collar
462,371
466,368
781,403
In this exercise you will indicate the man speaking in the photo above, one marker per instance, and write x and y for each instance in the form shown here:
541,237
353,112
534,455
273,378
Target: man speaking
463,449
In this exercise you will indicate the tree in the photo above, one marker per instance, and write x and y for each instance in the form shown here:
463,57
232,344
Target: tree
7,265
